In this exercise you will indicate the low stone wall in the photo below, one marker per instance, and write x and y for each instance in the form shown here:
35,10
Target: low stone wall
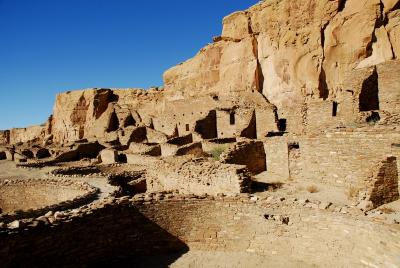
33,197
248,153
191,149
145,149
217,144
118,229
197,176
77,171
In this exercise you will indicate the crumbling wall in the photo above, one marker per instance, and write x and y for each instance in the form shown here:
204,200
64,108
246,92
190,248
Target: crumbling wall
248,153
4,137
18,135
382,186
197,176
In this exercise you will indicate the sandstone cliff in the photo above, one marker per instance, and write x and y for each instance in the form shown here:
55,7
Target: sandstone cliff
296,66
293,52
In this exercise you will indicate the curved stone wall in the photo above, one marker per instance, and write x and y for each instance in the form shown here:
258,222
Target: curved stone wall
34,197
116,229
77,171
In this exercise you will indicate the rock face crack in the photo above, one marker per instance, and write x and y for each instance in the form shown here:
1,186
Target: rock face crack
322,84
259,76
342,4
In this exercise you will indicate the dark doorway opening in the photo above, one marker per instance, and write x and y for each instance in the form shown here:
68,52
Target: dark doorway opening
113,123
232,118
282,125
369,98
334,108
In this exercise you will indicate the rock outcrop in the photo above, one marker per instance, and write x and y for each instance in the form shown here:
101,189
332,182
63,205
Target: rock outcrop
281,65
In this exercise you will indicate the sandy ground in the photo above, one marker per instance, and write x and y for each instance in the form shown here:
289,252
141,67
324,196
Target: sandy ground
215,259
232,259
308,189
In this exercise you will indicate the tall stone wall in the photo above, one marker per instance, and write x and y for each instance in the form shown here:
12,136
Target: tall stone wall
277,154
389,84
18,135
4,137
344,158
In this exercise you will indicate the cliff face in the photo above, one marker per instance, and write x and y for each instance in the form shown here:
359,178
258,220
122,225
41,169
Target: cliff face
293,52
296,66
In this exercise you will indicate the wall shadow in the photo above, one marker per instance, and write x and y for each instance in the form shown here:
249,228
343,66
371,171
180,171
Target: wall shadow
109,237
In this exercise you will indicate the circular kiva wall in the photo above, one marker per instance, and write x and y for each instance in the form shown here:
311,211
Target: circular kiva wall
34,194
198,230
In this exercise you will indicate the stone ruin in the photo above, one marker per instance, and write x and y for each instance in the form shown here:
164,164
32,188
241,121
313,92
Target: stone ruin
293,93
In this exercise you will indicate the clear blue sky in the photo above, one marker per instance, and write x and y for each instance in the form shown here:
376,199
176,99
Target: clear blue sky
50,46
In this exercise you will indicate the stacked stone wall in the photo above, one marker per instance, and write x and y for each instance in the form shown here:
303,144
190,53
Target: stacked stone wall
248,153
119,229
344,158
198,176
32,197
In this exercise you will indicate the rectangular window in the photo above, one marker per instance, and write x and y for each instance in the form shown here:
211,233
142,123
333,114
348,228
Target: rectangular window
187,127
334,108
232,118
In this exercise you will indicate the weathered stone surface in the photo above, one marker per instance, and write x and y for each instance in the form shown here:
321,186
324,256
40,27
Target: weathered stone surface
383,184
393,28
248,153
109,156
20,158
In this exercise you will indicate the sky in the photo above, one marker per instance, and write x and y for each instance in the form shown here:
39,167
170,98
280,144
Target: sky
51,46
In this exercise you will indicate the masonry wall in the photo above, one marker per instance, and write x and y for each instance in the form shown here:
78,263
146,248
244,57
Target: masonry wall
180,116
277,155
106,234
197,177
383,184
4,137
265,122
26,134
344,158
248,153
389,84
234,123
117,230
320,116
